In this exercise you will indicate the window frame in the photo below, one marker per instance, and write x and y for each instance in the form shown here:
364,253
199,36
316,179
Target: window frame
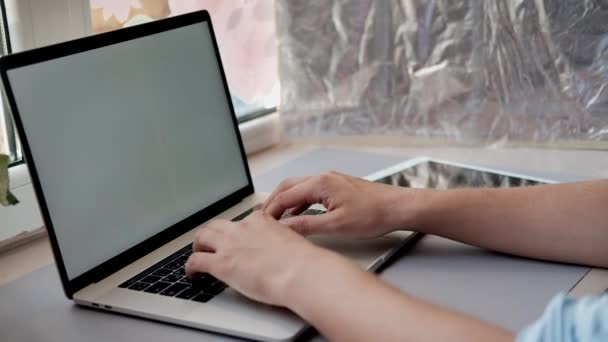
71,19
8,126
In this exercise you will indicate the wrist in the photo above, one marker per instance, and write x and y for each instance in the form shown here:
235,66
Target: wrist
297,271
405,208
313,273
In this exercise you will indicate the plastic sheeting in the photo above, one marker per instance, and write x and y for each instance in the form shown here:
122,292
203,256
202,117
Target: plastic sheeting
470,71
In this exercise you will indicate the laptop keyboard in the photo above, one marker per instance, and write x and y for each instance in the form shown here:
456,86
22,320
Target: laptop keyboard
168,277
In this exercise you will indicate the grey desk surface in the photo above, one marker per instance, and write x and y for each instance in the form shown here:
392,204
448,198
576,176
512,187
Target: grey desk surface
498,288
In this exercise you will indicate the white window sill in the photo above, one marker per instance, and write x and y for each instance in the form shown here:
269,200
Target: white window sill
22,222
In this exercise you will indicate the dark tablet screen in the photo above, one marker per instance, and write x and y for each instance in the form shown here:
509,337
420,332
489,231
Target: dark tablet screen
437,175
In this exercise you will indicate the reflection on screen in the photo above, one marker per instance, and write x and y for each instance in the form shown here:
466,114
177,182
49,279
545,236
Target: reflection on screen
443,176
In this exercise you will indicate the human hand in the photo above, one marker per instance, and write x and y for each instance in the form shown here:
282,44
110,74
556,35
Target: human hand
355,207
258,256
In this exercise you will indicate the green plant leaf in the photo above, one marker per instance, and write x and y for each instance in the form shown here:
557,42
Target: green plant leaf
6,197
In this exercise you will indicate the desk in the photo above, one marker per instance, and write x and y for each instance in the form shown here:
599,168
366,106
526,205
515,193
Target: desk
64,321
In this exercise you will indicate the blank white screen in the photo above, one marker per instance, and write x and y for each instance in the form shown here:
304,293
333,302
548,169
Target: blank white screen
128,139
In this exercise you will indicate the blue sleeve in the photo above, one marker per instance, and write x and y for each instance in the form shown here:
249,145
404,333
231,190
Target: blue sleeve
567,319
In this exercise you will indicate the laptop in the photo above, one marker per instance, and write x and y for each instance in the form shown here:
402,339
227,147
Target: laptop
132,143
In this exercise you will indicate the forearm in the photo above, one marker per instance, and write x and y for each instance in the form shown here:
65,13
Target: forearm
347,304
561,222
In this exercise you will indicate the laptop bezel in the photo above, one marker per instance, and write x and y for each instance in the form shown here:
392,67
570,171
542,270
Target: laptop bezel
60,50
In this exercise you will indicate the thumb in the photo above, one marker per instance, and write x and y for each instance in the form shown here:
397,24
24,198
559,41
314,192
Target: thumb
311,224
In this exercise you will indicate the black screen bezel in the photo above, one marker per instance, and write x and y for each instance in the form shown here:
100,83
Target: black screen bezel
47,53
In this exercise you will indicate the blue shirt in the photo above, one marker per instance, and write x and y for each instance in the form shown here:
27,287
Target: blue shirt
568,319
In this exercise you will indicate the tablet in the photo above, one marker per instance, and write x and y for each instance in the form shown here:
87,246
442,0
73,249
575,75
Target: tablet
436,174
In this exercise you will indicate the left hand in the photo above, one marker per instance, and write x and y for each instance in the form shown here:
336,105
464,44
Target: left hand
258,256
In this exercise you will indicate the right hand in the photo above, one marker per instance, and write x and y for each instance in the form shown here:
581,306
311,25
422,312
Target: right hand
355,207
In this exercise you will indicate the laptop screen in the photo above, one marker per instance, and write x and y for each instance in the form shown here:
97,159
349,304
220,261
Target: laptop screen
128,139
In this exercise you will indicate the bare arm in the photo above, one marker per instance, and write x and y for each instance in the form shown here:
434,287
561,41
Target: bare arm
268,262
561,222
352,305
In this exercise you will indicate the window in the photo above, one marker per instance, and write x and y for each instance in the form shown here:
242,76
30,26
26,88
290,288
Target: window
245,31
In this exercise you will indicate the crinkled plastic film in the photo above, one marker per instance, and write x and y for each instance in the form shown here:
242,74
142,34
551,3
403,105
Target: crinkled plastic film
471,71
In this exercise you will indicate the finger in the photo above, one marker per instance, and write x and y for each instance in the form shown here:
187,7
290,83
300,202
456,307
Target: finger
286,184
300,194
299,209
207,238
255,216
200,262
312,224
